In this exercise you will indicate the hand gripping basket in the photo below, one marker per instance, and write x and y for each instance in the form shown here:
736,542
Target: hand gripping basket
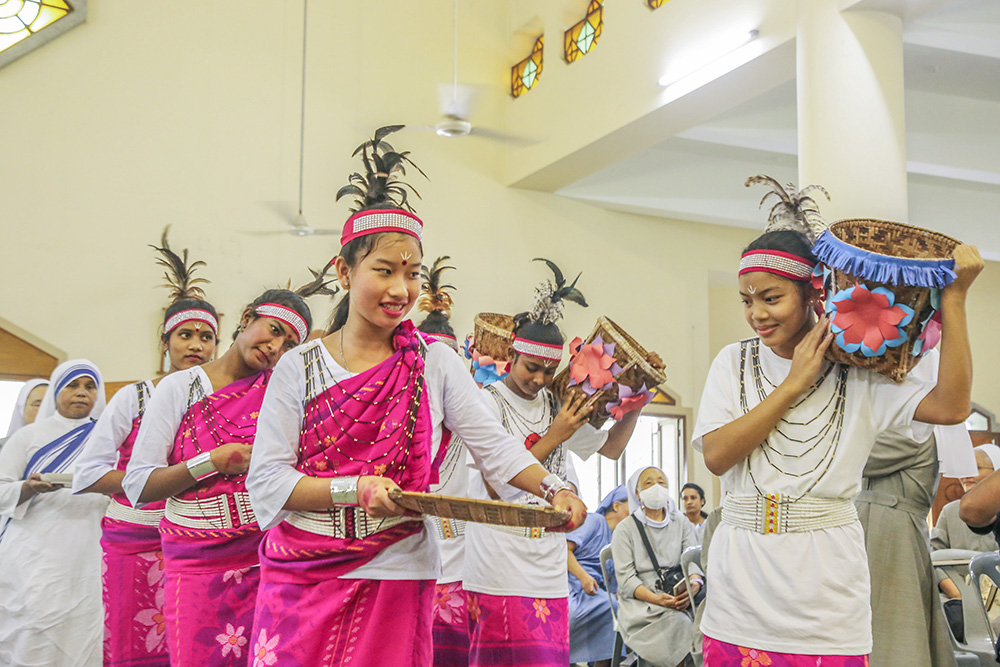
630,369
882,281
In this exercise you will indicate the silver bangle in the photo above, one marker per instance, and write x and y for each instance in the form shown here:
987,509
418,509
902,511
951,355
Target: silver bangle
551,485
201,466
344,490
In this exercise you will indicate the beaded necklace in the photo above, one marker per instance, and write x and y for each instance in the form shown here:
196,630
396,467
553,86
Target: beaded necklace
330,430
830,431
511,418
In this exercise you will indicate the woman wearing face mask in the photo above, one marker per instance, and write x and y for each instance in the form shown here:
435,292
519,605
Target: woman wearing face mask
654,623
29,399
50,557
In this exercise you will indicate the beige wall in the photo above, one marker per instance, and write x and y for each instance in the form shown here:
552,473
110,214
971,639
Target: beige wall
187,114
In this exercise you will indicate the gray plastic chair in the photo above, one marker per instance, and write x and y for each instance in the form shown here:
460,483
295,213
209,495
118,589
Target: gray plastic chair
691,556
978,648
606,572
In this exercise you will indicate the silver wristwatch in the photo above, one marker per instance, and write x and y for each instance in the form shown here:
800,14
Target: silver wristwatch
344,490
201,466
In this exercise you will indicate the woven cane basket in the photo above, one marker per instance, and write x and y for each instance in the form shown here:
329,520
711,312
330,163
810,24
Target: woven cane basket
480,511
629,354
891,241
493,335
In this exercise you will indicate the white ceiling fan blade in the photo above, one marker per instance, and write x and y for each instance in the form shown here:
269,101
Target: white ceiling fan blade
285,210
458,100
263,233
512,139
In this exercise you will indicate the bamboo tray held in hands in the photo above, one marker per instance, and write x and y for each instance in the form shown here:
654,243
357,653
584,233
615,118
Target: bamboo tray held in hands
480,511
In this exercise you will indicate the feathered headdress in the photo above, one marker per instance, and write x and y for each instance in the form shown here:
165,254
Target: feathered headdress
550,297
319,284
434,297
794,210
379,187
178,276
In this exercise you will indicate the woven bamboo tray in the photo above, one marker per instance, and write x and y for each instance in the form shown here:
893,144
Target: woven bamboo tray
897,240
480,511
629,354
494,335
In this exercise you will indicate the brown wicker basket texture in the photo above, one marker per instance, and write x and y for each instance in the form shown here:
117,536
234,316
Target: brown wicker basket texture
480,511
893,239
629,354
493,334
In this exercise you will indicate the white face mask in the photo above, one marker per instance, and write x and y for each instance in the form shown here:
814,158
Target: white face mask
655,497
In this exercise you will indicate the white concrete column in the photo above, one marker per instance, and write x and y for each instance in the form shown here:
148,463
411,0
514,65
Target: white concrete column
851,125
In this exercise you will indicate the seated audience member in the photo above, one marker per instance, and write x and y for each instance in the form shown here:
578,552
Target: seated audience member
693,500
653,604
591,628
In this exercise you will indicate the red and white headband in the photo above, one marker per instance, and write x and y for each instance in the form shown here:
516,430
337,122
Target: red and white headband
195,314
540,350
780,263
286,315
375,221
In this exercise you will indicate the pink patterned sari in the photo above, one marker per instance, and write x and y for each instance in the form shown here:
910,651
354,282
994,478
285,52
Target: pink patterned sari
376,423
211,565
134,630
720,654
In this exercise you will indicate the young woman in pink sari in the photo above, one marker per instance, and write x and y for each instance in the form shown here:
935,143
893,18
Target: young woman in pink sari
133,560
193,450
346,577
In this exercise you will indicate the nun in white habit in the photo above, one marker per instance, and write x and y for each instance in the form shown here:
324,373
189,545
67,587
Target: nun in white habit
26,406
50,554
654,623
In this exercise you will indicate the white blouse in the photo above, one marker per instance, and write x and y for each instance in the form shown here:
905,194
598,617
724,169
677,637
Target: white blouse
163,416
100,452
454,404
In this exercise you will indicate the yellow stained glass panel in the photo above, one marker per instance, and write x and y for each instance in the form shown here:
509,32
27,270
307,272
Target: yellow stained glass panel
653,4
19,19
525,74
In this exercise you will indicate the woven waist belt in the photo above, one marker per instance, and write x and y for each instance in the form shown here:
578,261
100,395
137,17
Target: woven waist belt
229,510
773,514
120,512
530,533
448,528
344,522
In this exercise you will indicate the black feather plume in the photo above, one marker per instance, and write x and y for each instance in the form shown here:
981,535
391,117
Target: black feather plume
434,297
319,284
795,209
550,296
379,186
179,274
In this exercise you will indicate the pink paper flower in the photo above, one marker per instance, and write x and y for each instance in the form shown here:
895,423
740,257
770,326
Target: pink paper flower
592,367
232,640
629,401
868,320
263,649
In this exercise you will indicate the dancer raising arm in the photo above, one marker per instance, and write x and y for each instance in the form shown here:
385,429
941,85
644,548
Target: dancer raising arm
347,419
790,434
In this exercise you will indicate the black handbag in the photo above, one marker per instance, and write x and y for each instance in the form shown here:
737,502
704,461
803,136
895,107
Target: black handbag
666,577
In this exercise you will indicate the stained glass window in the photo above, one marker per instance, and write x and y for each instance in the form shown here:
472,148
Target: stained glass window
22,22
525,74
653,4
582,37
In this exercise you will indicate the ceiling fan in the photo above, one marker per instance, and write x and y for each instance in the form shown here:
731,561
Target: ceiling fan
456,103
294,217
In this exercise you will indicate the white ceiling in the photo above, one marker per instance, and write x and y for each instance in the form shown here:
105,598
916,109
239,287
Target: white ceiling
952,78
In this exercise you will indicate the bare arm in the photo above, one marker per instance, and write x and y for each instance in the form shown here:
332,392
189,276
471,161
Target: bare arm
573,565
619,435
229,459
980,505
728,445
573,414
109,484
951,399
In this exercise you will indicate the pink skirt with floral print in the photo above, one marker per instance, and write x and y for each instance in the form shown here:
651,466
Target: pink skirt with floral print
451,626
508,631
721,654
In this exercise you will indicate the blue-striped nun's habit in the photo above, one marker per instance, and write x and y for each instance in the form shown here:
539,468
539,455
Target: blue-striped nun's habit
50,553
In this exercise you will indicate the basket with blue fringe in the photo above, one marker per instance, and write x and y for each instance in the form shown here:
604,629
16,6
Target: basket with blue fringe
882,283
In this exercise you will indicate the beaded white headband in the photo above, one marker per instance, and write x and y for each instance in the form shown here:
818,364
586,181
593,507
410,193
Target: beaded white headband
775,261
541,350
197,314
286,315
